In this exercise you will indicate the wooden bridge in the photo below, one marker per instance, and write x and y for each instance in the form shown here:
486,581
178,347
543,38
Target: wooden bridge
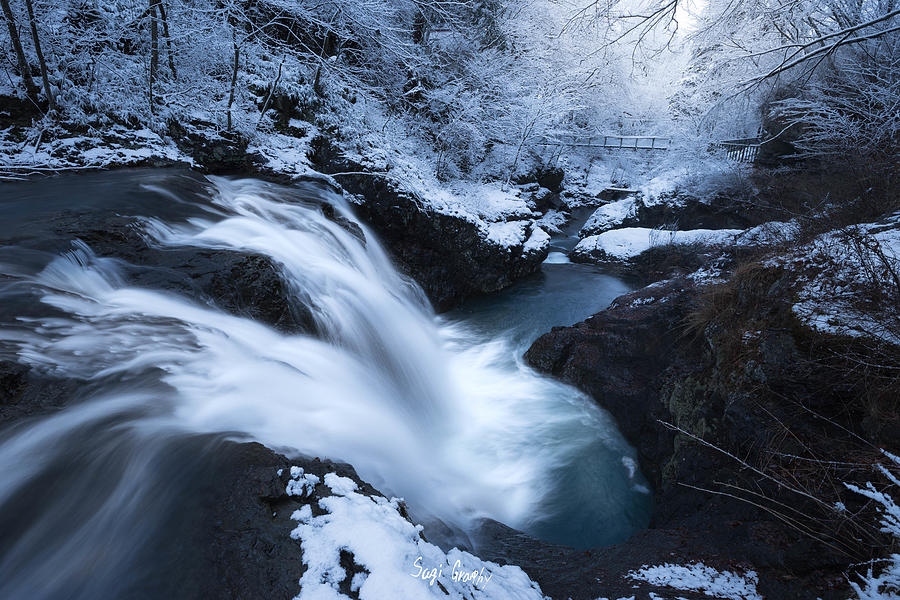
741,150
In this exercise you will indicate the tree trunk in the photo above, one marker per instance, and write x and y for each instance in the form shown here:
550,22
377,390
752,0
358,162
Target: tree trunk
154,48
24,70
317,83
274,85
234,73
165,27
45,77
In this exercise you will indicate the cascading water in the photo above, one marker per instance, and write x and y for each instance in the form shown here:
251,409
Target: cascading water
423,408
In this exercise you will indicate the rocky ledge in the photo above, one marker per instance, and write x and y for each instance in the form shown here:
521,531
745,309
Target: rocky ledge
736,411
447,255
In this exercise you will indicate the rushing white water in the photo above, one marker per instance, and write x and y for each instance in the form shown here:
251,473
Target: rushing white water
422,407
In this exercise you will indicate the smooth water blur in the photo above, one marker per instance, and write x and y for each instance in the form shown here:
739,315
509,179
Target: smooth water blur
440,411
595,497
560,294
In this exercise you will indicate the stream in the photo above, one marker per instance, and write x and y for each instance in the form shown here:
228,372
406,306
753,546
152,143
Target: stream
437,409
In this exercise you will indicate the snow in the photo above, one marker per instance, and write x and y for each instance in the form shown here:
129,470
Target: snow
384,145
57,149
839,269
538,241
393,559
708,275
285,154
663,185
552,221
340,485
475,201
882,583
506,233
626,243
511,234
599,176
610,216
301,484
767,234
726,585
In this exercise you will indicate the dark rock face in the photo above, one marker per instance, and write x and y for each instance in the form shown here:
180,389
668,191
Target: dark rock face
551,178
546,176
690,212
640,362
219,153
24,392
545,200
229,536
619,356
444,254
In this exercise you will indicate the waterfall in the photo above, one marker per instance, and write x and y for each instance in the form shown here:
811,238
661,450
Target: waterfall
419,405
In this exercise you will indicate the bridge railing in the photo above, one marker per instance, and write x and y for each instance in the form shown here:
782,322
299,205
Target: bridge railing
623,142
743,150
740,150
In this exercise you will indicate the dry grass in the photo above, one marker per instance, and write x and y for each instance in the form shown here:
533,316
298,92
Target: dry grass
823,416
828,194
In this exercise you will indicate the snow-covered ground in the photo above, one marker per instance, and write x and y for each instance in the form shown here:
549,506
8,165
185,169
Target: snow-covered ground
840,275
57,149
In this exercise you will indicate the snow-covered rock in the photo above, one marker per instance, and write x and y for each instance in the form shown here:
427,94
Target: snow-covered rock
625,244
552,221
839,275
537,242
506,234
389,556
609,216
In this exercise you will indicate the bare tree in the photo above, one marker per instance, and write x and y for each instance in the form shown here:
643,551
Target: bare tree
234,76
165,29
775,36
24,69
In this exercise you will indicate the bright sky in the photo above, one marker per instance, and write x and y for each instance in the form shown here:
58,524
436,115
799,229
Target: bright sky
689,12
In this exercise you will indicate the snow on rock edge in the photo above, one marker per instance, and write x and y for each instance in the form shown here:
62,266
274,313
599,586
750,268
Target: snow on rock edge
390,558
626,243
